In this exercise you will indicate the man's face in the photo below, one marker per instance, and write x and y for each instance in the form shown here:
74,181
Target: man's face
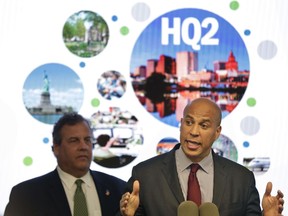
74,154
199,129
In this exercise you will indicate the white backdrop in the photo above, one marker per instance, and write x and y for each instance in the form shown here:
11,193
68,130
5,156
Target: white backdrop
31,35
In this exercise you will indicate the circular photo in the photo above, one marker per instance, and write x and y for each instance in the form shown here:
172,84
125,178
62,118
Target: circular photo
258,165
111,85
166,144
185,54
224,147
52,90
118,137
85,34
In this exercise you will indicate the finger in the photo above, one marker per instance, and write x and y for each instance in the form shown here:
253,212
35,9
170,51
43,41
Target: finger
280,194
280,209
136,188
268,189
126,195
123,211
123,195
124,199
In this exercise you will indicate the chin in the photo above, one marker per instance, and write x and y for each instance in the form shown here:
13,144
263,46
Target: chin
83,166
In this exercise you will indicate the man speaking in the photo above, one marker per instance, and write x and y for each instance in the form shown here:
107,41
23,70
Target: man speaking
192,171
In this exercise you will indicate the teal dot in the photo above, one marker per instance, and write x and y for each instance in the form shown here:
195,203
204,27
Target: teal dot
234,5
27,161
45,140
251,102
246,144
95,102
124,30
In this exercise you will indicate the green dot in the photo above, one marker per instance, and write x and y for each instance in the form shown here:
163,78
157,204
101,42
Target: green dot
27,161
251,102
95,102
124,30
234,5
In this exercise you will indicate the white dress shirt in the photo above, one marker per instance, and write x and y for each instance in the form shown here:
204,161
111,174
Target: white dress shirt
88,187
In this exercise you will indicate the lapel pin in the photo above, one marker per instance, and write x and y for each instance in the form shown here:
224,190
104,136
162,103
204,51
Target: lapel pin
107,193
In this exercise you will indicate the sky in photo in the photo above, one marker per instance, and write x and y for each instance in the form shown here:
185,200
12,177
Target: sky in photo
149,45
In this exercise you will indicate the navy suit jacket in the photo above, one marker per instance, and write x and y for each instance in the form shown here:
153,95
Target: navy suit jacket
234,191
45,196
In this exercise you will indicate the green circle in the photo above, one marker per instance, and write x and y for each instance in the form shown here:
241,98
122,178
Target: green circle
27,161
124,30
251,102
234,5
95,102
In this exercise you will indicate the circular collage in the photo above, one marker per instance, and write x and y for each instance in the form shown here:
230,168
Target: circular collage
181,55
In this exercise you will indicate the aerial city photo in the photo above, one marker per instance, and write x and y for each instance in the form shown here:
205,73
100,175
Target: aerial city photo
177,68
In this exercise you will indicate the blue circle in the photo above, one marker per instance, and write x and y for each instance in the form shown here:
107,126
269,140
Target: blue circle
45,140
170,52
246,144
114,18
247,32
82,64
57,93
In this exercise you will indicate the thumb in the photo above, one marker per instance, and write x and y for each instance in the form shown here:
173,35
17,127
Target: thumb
136,188
268,189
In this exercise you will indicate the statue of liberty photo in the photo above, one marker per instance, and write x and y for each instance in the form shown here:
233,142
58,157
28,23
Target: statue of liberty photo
46,83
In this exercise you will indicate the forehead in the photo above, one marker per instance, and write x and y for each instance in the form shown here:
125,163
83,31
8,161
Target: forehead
201,110
200,116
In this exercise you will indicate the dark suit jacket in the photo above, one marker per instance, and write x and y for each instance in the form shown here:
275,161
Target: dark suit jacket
234,192
45,196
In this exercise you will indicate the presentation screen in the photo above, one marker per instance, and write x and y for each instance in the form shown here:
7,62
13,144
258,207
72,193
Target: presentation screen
130,67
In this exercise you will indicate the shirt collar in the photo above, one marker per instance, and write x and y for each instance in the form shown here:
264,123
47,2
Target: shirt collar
69,180
184,162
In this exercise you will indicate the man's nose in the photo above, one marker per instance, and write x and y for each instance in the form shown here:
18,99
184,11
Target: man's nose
194,130
83,144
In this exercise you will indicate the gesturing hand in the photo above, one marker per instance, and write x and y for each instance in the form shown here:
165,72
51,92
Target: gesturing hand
272,205
130,201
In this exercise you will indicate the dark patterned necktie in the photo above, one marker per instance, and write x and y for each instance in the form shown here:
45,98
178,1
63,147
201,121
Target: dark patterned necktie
194,193
80,205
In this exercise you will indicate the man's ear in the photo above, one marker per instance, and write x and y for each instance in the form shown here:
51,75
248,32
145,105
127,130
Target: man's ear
181,120
55,148
218,131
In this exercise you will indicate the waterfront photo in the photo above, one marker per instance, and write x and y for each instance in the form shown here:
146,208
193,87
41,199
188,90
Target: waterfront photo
186,54
52,90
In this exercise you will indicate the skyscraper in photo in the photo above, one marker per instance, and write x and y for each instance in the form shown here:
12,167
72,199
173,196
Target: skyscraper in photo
186,62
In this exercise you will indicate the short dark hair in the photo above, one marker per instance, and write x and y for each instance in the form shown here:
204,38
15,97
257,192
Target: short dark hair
67,119
102,139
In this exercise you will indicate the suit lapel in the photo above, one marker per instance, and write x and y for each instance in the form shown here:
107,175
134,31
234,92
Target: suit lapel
58,195
220,180
170,173
103,193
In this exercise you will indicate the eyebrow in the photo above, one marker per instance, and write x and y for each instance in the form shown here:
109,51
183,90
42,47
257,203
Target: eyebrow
77,137
202,120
